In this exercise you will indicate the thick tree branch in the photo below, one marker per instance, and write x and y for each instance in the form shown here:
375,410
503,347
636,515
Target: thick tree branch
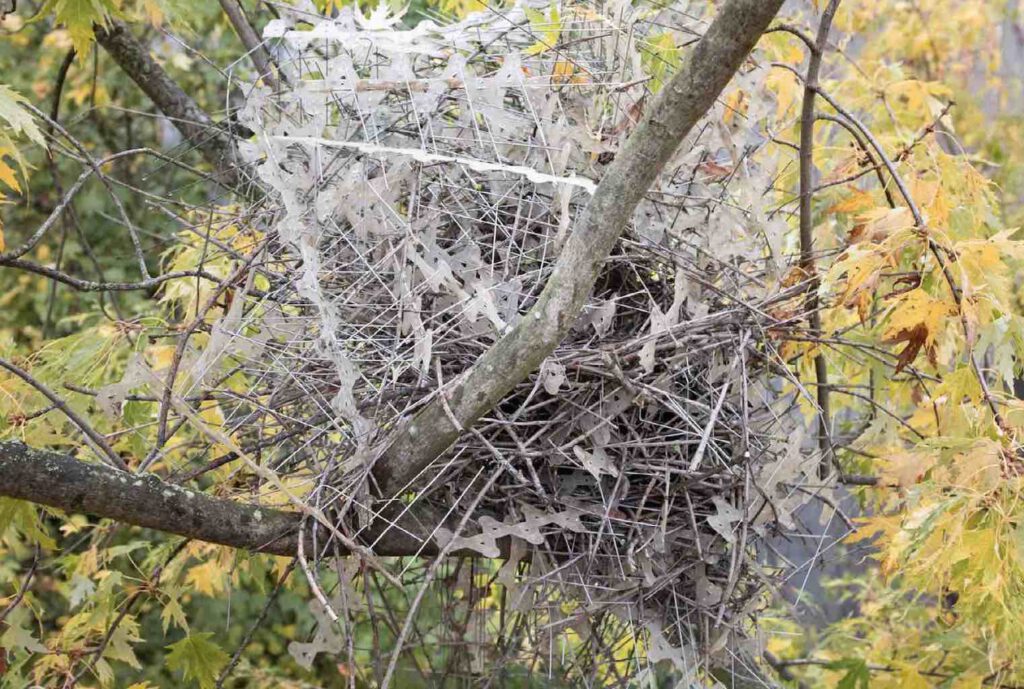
214,142
682,102
57,480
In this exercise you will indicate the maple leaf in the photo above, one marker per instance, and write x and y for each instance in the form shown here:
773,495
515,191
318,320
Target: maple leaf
916,319
208,578
198,658
915,337
857,673
18,120
858,200
17,117
7,176
862,265
79,18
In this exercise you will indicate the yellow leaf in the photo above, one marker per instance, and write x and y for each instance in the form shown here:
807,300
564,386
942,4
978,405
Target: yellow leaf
562,72
8,177
907,468
916,308
870,527
980,467
548,29
786,88
735,103
208,578
161,356
858,200
154,13
211,413
878,224
862,266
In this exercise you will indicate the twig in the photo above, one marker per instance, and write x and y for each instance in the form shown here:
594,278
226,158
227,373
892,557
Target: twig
23,589
432,572
251,631
96,441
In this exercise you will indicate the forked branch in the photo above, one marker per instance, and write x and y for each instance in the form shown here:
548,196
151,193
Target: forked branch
679,106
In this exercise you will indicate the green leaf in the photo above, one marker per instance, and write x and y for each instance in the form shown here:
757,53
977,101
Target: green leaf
174,614
857,676
17,117
78,17
120,646
18,638
22,518
81,588
198,658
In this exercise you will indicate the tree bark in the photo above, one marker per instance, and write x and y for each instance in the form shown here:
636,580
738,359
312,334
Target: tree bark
679,106
58,480
251,40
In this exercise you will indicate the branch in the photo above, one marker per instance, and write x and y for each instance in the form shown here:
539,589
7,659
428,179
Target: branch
681,103
937,250
60,481
214,142
94,439
807,263
251,40
81,285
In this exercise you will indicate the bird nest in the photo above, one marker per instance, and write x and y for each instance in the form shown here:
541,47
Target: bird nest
422,182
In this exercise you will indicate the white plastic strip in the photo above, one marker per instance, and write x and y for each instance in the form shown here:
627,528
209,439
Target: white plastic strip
422,156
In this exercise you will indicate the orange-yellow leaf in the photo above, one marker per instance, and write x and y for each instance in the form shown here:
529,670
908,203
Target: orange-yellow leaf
8,176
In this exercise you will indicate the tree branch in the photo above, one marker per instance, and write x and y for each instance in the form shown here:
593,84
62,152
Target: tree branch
93,438
682,102
60,481
251,40
807,262
214,142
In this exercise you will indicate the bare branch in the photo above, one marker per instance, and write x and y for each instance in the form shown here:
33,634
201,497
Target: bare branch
807,262
93,438
81,285
251,40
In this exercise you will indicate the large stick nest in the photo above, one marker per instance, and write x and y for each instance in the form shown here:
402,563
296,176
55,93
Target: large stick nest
423,182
